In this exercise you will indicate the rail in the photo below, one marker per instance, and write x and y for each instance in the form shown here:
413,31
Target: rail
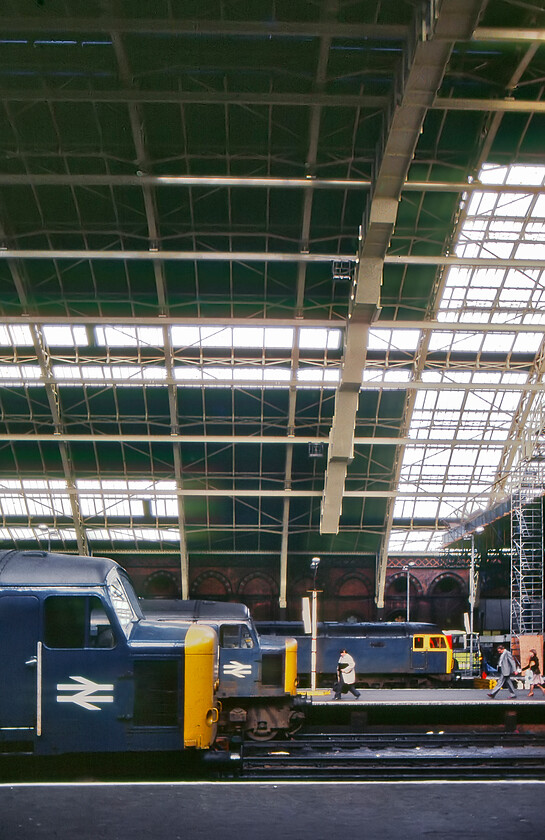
397,756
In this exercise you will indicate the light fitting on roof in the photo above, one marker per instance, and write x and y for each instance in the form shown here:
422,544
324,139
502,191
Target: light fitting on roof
315,450
342,270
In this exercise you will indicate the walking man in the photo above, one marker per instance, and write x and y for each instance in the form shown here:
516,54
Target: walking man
346,675
507,668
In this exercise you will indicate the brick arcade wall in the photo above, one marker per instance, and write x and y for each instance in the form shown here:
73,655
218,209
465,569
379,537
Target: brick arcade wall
347,587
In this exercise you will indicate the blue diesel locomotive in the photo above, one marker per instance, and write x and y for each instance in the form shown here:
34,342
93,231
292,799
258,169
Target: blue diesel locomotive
389,654
84,671
257,674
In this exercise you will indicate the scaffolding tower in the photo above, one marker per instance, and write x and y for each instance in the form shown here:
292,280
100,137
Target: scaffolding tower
527,549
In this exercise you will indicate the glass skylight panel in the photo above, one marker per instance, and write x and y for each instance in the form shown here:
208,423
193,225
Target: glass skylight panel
498,342
378,375
254,338
415,541
510,225
13,534
185,336
255,376
216,337
109,373
61,335
247,374
528,342
134,485
395,339
319,376
14,335
124,336
133,534
313,338
110,506
20,374
406,508
32,484
280,338
502,224
164,507
24,505
276,376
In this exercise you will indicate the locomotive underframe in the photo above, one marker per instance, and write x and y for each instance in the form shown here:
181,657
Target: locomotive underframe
260,720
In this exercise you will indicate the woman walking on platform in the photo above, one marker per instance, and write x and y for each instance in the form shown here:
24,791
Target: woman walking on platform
536,678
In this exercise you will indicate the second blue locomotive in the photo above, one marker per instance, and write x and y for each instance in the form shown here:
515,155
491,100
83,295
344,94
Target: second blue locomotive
389,654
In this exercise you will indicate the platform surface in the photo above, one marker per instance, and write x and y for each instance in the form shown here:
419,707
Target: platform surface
427,697
283,810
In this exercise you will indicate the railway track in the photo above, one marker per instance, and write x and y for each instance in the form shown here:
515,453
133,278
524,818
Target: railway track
399,756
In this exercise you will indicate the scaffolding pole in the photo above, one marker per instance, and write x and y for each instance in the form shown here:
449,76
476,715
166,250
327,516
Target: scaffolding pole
527,549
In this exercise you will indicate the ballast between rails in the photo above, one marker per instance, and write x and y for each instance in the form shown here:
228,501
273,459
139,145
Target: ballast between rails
396,757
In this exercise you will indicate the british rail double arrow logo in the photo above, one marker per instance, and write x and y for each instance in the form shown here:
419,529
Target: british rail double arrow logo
237,669
85,691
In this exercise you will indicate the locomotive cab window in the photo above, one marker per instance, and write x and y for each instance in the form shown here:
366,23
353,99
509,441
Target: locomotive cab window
126,608
437,642
76,621
235,636
418,642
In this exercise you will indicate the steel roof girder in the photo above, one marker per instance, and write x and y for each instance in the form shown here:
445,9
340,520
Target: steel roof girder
193,27
341,437
330,512
425,66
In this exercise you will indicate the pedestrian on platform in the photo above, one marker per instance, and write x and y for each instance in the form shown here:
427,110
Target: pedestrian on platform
535,672
507,668
346,676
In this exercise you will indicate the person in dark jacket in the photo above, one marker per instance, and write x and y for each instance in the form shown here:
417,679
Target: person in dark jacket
507,668
533,667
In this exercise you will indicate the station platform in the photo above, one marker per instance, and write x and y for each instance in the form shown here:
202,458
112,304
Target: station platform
423,709
423,697
287,810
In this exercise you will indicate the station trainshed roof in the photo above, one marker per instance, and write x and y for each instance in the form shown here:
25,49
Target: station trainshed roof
271,273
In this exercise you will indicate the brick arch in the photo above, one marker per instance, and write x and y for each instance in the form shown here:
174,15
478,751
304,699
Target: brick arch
396,586
301,586
257,583
211,584
259,591
353,585
438,585
161,584
447,595
353,596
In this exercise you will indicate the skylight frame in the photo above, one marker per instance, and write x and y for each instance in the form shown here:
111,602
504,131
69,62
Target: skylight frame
506,225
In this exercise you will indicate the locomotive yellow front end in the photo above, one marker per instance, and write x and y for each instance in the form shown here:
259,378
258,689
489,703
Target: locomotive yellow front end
200,707
290,668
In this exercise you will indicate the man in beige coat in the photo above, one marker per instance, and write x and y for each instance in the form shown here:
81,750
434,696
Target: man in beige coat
346,675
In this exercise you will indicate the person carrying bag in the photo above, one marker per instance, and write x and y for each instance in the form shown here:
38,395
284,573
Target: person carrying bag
346,676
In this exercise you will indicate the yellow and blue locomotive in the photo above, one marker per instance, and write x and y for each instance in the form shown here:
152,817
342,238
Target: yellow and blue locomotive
388,654
84,671
257,673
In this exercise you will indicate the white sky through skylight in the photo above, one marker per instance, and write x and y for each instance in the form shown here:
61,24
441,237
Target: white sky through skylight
506,225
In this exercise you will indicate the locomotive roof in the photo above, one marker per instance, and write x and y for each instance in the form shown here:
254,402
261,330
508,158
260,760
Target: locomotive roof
343,629
43,568
195,609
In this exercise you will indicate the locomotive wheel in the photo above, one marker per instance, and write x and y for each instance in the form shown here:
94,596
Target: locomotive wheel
297,720
261,735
